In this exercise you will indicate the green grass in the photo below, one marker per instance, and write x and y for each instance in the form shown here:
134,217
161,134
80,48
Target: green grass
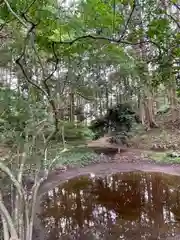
163,157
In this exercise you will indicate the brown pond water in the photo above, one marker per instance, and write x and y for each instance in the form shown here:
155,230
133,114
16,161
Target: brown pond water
129,206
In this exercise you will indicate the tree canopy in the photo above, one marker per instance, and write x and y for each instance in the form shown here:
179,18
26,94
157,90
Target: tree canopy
72,60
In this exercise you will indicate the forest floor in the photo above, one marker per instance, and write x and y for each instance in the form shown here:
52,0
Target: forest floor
149,151
159,143
130,160
152,147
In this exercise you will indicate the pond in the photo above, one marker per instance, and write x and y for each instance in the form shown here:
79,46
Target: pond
129,206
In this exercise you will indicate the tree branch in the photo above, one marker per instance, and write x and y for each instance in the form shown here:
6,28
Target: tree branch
128,20
18,62
14,14
174,20
28,7
111,40
46,90
177,6
56,63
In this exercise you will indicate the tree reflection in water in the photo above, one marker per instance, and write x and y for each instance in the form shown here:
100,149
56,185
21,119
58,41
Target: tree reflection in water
123,206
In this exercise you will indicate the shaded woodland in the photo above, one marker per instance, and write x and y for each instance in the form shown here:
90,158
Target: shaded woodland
65,65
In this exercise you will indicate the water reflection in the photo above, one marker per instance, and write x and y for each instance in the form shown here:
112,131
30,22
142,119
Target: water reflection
123,206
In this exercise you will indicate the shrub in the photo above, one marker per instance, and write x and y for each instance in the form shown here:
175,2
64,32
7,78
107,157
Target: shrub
119,118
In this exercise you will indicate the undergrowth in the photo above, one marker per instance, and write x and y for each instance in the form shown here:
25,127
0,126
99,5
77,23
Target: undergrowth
80,156
164,157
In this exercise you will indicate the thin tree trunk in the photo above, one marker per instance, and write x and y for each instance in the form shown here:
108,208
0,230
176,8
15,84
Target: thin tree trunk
72,106
141,110
172,96
107,97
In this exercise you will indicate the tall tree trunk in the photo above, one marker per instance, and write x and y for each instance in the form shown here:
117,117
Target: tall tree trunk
172,96
141,51
149,111
100,107
141,110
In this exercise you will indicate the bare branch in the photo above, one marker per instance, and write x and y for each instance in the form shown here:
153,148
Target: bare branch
83,96
173,19
18,62
128,21
111,40
177,6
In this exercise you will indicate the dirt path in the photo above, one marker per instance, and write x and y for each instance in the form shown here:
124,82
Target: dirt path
131,160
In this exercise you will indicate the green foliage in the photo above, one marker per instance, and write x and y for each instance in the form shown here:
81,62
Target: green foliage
67,47
121,117
165,157
14,111
76,156
18,116
76,132
159,28
90,39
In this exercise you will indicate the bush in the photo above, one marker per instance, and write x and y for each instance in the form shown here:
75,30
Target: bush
119,118
17,115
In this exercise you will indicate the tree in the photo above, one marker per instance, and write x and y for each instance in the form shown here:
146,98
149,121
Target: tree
63,65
